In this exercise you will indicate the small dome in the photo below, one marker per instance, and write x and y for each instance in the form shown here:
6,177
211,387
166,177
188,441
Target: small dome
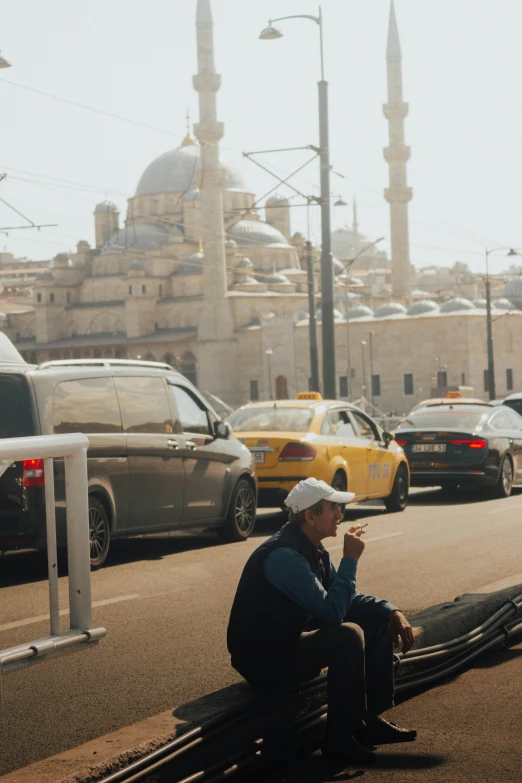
244,263
276,201
255,233
82,244
361,311
105,206
354,282
297,235
338,267
513,292
502,304
139,236
481,304
276,279
44,276
230,243
193,265
338,316
388,309
423,306
456,305
302,315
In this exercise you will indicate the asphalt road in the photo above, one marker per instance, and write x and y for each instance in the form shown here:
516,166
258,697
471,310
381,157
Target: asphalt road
165,603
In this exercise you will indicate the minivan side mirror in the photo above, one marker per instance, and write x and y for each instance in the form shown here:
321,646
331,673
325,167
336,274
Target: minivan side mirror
221,429
387,437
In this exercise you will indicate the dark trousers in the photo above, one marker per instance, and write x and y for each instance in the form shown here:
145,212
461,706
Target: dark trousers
359,657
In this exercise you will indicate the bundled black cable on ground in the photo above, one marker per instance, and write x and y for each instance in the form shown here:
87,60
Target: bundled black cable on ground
263,732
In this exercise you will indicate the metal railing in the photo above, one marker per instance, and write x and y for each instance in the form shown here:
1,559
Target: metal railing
80,634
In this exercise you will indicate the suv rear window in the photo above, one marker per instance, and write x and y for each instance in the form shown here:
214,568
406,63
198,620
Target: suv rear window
13,400
271,419
86,405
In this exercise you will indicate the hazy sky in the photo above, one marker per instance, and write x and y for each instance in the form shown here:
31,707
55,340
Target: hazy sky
462,61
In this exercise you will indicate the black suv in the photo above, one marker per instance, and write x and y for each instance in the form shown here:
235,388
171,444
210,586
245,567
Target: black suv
159,458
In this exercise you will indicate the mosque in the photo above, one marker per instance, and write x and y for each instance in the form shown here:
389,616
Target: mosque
196,278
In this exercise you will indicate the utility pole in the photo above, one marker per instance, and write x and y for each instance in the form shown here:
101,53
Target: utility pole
371,335
312,323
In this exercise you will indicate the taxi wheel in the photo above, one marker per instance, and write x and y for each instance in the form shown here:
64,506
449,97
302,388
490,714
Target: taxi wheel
397,500
241,518
341,485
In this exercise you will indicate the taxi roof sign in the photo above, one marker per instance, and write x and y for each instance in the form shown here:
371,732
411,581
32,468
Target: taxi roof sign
453,395
308,396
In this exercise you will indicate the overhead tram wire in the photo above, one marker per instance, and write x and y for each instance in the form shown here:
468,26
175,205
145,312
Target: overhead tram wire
473,237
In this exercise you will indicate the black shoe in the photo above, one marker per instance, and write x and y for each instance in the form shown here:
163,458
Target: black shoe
379,731
350,751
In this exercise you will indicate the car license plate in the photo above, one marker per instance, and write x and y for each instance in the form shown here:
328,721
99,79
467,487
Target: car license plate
437,447
259,457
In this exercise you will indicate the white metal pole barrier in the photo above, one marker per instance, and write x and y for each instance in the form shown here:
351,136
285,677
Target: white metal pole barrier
80,635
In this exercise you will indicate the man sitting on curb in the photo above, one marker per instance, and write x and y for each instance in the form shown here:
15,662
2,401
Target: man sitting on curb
294,614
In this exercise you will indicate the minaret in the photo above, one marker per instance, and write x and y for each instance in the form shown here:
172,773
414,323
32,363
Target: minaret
216,330
355,223
397,153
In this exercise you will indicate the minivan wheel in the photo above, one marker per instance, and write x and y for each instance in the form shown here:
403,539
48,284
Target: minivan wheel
99,533
241,518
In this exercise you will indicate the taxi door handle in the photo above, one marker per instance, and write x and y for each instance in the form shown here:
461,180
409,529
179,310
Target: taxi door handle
191,444
173,444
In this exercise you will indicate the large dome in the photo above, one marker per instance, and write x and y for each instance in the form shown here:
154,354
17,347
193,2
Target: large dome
513,291
255,233
140,236
173,172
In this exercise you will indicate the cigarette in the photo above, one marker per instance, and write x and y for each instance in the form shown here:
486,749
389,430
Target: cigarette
361,526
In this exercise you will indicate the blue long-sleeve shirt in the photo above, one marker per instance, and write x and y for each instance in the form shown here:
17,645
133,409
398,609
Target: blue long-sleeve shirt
290,572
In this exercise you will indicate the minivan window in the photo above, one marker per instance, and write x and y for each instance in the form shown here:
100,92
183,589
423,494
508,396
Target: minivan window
193,417
86,405
144,405
11,415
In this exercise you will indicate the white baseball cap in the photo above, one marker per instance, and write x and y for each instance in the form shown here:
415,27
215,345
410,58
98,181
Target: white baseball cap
311,491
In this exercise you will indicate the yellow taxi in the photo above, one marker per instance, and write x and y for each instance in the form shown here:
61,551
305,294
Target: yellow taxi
331,440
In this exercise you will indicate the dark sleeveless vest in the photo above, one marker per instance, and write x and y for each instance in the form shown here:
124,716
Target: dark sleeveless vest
264,623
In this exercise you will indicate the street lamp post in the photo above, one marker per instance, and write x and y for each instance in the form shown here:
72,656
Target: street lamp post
491,358
327,288
269,353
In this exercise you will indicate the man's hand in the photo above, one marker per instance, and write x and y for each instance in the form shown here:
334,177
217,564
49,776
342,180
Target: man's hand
401,629
353,543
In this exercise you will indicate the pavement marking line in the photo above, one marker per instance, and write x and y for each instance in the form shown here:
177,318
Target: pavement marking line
368,540
41,617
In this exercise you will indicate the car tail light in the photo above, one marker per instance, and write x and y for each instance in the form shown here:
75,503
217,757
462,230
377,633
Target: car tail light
401,441
471,443
33,473
297,452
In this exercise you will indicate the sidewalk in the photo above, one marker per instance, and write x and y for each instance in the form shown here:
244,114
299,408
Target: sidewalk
469,731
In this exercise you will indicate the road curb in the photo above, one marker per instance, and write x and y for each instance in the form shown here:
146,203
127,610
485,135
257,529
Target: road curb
98,758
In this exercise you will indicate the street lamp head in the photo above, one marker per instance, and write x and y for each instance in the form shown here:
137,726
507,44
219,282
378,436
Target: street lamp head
270,32
4,63
340,202
512,252
363,342
269,352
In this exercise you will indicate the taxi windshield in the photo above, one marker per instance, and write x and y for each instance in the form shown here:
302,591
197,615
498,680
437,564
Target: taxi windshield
271,419
443,420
